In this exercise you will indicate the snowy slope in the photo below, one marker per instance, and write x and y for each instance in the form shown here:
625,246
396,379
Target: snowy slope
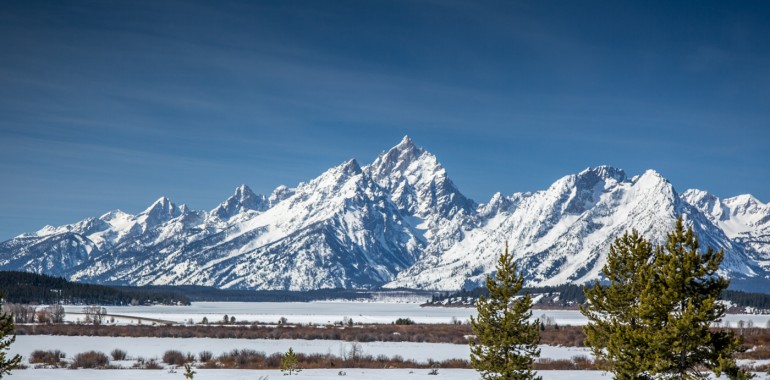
242,201
418,183
743,218
399,221
562,234
338,230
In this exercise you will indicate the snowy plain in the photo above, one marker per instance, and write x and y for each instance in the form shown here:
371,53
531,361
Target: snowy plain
294,312
334,311
315,374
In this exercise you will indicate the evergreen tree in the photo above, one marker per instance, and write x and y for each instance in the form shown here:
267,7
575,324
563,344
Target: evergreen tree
506,342
616,333
189,373
680,304
6,339
289,363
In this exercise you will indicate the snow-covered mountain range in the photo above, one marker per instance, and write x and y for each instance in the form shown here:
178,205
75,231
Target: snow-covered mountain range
398,222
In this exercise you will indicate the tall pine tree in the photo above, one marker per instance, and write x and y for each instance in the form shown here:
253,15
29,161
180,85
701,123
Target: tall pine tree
6,338
680,304
615,331
506,341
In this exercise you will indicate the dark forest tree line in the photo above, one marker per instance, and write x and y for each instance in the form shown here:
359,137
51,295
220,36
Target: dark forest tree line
31,288
570,294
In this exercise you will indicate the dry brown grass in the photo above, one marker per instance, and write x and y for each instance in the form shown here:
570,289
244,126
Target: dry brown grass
174,357
90,359
250,359
142,363
358,333
51,358
430,333
576,363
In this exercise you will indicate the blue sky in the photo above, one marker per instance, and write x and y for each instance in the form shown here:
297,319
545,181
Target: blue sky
109,105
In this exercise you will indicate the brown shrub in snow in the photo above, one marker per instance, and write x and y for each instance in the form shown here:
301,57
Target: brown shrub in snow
90,359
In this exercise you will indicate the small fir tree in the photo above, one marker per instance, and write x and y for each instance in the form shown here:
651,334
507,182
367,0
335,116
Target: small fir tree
506,341
616,331
6,339
289,363
189,373
681,304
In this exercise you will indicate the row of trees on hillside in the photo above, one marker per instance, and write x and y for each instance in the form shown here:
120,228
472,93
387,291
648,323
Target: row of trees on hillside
650,319
33,288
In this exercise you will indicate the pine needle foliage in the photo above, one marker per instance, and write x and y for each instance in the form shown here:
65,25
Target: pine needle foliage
189,373
6,339
505,343
289,363
616,332
652,317
681,304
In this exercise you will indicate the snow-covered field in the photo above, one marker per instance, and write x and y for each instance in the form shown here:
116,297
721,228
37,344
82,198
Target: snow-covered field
296,312
316,374
330,312
155,347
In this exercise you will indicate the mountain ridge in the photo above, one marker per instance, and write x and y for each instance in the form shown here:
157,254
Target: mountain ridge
399,221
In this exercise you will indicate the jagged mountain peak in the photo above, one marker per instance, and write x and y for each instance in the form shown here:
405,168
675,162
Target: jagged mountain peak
744,200
244,191
109,215
589,182
652,181
241,201
160,203
500,203
706,202
159,212
46,230
418,183
407,146
398,159
399,219
350,167
405,141
653,174
738,203
562,234
743,218
697,196
604,172
161,208
341,181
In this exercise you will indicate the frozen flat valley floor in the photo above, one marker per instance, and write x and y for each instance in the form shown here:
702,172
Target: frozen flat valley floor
295,312
333,311
317,374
